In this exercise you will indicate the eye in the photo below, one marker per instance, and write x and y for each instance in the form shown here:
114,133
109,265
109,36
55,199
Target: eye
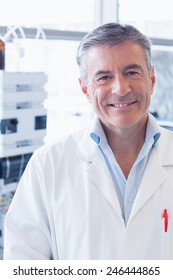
133,73
104,79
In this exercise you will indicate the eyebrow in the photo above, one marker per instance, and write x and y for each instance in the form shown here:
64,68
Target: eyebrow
127,67
102,72
133,66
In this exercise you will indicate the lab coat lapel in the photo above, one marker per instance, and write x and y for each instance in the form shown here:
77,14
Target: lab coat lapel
100,175
97,169
153,178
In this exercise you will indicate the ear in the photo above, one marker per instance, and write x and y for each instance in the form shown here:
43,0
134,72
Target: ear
84,89
153,79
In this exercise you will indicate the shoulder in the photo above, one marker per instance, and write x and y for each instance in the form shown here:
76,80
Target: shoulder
164,145
63,147
166,134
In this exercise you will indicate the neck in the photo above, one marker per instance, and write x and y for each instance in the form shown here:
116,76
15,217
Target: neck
126,145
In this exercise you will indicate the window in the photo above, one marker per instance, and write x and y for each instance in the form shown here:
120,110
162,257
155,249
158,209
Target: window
54,14
152,17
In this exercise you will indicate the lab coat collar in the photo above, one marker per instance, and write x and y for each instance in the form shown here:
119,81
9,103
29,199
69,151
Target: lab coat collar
164,147
155,173
152,180
87,147
88,151
98,172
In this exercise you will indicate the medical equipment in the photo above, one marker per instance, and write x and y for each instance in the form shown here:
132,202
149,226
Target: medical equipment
23,120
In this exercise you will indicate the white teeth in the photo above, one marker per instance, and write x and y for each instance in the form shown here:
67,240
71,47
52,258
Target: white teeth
121,105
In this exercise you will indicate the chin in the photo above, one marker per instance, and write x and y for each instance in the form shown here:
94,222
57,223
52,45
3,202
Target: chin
123,123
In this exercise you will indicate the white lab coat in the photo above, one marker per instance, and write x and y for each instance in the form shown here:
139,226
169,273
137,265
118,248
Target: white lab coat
66,206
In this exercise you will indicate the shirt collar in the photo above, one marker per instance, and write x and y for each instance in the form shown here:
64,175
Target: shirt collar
98,134
152,132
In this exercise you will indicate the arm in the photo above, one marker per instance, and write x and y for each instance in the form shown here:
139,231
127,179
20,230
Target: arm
26,232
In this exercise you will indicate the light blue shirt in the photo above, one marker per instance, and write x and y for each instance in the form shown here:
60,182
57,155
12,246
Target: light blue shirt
127,188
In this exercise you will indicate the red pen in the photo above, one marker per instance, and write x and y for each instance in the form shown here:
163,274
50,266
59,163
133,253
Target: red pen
165,217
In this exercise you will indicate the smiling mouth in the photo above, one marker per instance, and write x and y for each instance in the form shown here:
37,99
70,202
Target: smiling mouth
120,105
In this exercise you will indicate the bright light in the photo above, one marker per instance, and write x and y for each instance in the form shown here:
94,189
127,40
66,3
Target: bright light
37,12
153,10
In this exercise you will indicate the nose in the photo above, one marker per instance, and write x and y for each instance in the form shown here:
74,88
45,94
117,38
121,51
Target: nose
120,85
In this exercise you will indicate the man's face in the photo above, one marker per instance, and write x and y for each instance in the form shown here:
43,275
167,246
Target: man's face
119,84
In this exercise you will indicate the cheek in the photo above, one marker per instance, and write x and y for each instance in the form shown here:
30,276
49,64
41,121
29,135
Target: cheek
147,98
150,84
93,93
149,90
144,89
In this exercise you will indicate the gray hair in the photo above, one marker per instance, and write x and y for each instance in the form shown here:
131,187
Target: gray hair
111,34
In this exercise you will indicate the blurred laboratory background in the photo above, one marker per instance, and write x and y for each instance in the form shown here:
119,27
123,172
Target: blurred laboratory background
40,97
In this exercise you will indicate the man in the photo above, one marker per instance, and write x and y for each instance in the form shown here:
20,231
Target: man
105,192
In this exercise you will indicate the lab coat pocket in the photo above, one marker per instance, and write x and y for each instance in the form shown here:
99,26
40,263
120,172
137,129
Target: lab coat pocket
166,232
